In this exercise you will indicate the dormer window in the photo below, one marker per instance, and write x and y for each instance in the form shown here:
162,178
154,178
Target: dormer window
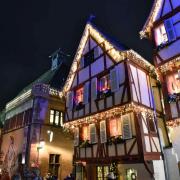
79,96
161,35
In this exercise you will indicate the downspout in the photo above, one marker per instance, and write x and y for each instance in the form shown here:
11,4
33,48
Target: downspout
155,117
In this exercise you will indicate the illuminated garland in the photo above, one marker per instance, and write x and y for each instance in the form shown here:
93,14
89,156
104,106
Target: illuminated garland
116,54
173,123
118,111
171,65
144,33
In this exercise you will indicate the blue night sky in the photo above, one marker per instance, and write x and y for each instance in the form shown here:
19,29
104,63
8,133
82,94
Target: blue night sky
32,30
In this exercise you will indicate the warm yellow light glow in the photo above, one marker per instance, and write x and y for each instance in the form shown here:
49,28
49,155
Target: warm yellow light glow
117,111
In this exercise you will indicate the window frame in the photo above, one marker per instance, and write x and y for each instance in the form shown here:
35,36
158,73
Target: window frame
54,164
60,117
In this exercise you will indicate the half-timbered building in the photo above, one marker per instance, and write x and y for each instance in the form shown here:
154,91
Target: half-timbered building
33,137
113,106
163,28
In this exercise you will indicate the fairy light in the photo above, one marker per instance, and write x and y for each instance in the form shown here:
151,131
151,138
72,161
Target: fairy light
171,65
116,54
145,32
118,111
173,123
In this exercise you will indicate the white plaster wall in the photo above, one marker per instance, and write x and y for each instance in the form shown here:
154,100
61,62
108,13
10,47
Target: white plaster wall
175,137
170,51
97,66
171,164
84,74
159,173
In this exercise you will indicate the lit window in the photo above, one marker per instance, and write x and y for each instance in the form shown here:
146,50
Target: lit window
161,35
115,127
51,116
173,83
79,96
56,117
85,133
104,83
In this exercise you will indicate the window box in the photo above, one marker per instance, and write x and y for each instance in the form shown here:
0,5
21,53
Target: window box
116,140
79,106
104,94
84,144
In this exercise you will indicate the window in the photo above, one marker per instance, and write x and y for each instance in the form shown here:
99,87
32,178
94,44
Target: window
150,121
173,83
85,133
102,172
88,58
56,117
115,127
79,96
161,35
104,84
54,164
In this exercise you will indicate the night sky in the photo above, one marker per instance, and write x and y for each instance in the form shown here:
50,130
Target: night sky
32,30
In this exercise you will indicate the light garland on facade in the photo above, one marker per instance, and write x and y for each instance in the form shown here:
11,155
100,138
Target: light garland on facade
144,33
171,65
18,100
173,123
117,111
116,54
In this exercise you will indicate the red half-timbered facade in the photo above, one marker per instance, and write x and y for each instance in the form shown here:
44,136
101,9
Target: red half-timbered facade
163,29
111,109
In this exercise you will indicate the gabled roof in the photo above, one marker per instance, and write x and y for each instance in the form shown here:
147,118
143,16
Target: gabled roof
117,51
151,18
55,78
